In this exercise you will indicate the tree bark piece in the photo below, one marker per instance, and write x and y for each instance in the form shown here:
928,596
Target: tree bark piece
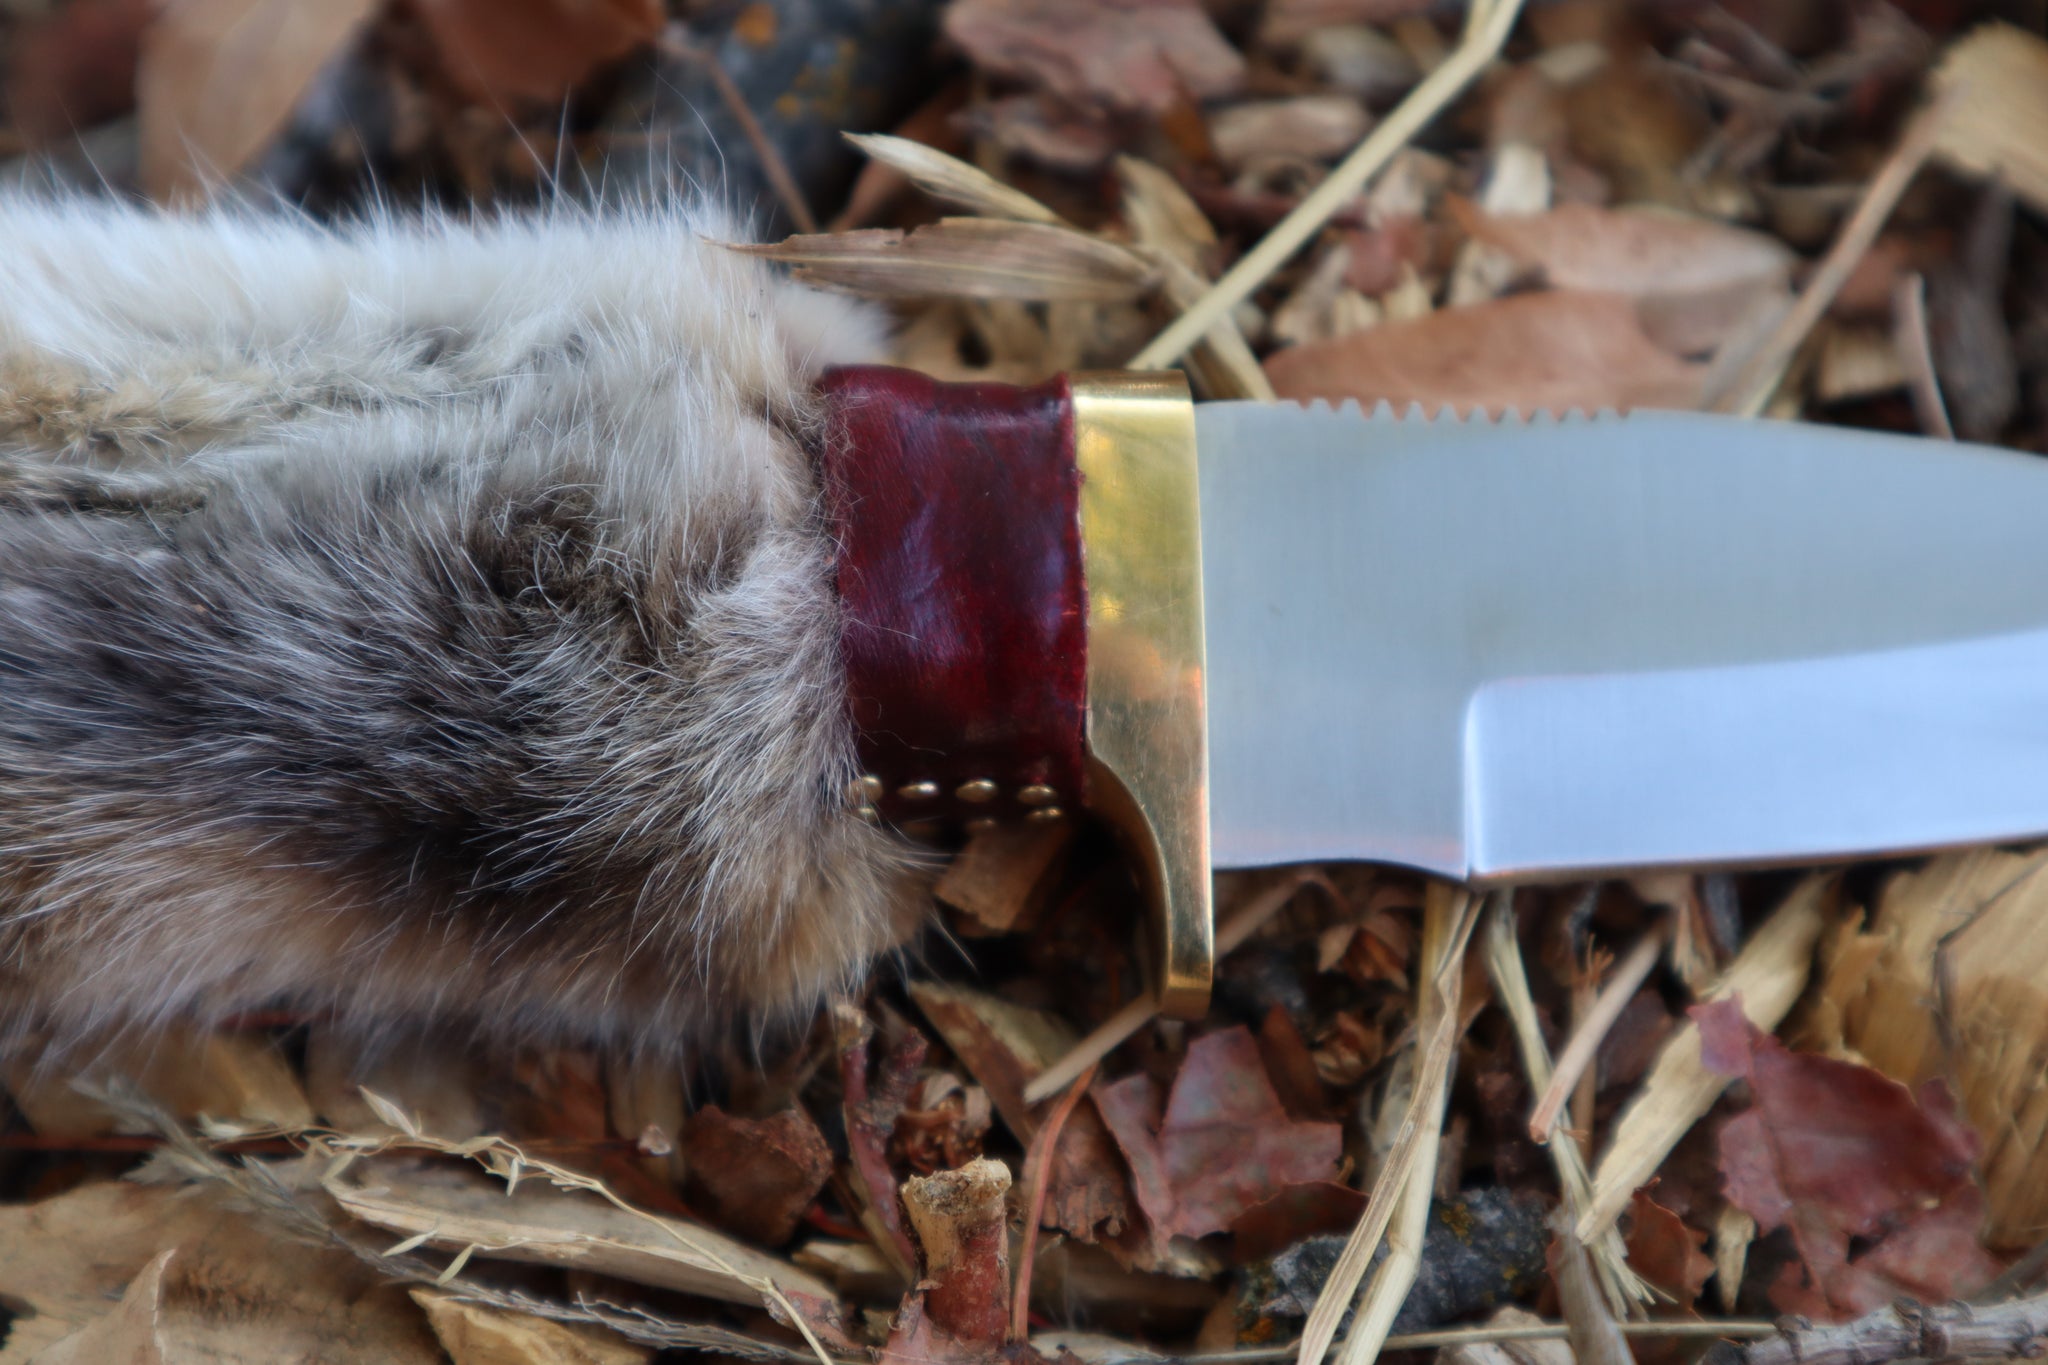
961,1225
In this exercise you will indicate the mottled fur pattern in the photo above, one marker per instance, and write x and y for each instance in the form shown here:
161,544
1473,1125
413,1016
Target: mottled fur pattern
426,622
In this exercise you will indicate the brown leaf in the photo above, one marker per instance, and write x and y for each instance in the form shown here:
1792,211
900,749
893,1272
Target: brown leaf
1137,55
219,78
755,1177
1664,1251
980,258
1638,251
232,1075
1306,1210
1554,351
75,66
457,1207
1843,1155
208,1283
474,1334
1223,1144
498,51
1004,1046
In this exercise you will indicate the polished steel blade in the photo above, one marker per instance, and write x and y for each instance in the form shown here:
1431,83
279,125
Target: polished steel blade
1506,649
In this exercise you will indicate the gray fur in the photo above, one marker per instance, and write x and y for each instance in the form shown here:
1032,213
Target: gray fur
421,622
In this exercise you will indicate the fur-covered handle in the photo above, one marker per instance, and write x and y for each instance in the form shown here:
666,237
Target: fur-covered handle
422,623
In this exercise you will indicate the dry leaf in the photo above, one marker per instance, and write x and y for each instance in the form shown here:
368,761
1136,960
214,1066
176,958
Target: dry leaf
979,258
457,1208
755,1177
432,1080
1004,1046
231,1076
219,78
951,180
74,66
1138,55
1875,1183
1638,251
1223,1143
1554,351
474,1334
1997,76
498,51
1665,1252
1318,127
232,1292
1985,914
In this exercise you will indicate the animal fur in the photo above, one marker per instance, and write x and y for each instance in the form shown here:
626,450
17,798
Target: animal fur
422,622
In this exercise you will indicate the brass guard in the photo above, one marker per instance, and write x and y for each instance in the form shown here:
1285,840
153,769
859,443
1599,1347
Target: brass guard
1147,728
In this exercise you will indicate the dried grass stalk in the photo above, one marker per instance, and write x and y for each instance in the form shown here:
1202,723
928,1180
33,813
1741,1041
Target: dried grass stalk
1405,1180
1622,1287
1766,977
975,258
951,180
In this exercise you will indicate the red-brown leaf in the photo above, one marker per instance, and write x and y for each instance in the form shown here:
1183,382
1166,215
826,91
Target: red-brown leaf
1546,352
1842,1154
1223,1144
497,51
1138,55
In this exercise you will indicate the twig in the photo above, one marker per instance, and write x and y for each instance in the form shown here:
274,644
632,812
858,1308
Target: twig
1596,1335
1487,25
1420,1125
1625,1289
1907,1331
1038,1176
1584,1046
1110,1034
1751,1328
772,165
1916,353
1753,384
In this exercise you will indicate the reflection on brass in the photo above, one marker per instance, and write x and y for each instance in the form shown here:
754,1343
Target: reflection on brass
1045,815
864,789
1148,739
1037,794
977,791
918,791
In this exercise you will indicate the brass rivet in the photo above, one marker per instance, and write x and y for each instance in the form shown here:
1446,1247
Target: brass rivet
1037,794
918,791
1046,815
869,814
864,789
981,823
977,791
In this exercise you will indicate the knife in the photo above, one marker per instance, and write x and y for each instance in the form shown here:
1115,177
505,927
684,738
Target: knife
516,621
1494,651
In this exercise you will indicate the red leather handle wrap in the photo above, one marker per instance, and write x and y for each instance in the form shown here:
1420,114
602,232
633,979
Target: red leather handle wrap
964,613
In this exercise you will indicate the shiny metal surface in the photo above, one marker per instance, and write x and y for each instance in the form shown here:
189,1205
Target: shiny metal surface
1141,548
1502,650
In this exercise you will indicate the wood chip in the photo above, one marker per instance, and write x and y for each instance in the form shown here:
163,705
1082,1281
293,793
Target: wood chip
1001,880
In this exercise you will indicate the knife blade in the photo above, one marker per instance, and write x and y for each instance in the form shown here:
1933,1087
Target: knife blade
1520,648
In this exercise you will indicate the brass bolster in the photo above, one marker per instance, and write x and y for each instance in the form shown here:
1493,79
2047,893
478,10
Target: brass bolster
1147,727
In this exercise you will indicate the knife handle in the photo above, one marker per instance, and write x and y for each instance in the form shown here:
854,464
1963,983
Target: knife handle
1019,576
